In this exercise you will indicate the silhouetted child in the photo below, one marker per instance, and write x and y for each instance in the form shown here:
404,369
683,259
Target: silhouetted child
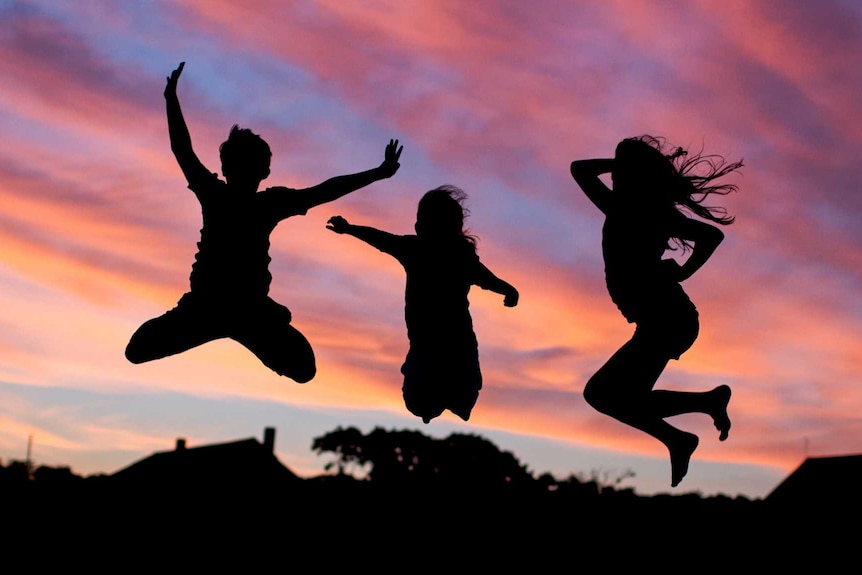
645,211
230,279
441,370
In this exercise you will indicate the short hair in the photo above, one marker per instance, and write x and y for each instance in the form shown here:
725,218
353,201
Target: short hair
246,151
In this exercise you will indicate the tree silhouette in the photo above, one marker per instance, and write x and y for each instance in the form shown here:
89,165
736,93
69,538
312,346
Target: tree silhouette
410,458
15,472
62,474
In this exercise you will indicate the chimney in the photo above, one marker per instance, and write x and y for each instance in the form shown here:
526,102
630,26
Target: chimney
269,439
181,444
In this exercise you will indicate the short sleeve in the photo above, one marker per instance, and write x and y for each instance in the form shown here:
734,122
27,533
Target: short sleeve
204,184
394,245
283,202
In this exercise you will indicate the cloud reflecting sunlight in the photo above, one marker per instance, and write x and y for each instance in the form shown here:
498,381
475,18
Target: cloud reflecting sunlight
98,229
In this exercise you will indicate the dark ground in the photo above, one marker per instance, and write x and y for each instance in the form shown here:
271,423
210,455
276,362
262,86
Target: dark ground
98,525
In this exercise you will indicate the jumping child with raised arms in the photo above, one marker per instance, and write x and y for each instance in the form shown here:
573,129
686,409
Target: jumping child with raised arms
230,278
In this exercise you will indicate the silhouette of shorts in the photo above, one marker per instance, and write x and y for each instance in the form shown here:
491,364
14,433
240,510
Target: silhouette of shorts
258,322
229,314
671,326
437,381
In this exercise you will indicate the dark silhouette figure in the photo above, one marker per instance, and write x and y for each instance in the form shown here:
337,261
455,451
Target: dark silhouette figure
441,370
645,214
230,279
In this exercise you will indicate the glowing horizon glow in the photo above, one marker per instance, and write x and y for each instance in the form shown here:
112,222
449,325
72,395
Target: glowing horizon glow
98,231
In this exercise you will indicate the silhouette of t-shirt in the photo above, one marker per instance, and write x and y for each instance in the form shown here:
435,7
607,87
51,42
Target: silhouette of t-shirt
439,276
634,239
233,251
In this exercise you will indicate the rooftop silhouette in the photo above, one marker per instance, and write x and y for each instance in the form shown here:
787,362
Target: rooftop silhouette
417,494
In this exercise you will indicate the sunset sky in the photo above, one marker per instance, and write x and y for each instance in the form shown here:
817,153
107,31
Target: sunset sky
98,230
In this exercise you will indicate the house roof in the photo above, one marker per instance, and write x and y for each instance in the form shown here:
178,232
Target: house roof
822,480
241,461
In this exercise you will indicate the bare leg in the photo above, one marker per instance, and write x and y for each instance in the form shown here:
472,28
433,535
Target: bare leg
713,403
720,417
622,389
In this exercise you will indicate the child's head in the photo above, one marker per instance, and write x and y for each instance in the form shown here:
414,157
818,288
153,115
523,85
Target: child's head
441,212
640,166
245,156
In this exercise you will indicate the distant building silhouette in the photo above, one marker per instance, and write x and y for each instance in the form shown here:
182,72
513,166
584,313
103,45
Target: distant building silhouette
822,482
245,461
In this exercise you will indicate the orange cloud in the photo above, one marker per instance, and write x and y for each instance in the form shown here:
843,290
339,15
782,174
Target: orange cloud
98,231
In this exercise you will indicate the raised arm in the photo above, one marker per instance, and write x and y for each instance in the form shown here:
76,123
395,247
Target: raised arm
705,238
383,241
586,174
485,279
339,186
181,141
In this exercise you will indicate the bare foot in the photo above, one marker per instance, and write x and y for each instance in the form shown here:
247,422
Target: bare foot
680,455
719,416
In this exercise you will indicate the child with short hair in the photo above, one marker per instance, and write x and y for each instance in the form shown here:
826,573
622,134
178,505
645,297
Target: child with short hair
230,278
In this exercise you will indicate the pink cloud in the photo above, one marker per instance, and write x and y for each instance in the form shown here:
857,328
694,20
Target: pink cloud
506,97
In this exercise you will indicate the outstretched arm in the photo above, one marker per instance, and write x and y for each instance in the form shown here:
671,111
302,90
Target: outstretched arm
586,174
383,241
181,141
485,279
705,238
339,186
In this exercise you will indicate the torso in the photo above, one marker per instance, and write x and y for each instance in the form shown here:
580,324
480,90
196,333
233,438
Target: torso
233,251
438,283
633,243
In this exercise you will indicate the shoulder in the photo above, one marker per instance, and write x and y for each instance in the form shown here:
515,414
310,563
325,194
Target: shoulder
288,201
402,246
404,242
207,184
278,190
280,193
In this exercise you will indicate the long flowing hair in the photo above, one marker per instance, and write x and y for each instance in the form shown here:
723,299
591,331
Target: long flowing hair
687,179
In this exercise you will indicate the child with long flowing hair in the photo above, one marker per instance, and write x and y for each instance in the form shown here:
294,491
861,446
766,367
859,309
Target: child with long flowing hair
441,370
647,211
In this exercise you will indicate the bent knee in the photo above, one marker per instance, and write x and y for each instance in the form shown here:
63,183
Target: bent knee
135,354
598,397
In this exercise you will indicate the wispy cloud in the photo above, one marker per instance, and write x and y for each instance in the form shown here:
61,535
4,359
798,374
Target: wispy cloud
97,230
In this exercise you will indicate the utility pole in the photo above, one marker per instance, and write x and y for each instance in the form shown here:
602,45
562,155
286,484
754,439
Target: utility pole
30,458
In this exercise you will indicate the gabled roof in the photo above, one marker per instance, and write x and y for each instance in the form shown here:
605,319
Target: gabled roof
243,461
822,480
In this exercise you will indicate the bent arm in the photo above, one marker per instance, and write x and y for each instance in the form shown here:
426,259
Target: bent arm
181,141
486,279
586,174
705,237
